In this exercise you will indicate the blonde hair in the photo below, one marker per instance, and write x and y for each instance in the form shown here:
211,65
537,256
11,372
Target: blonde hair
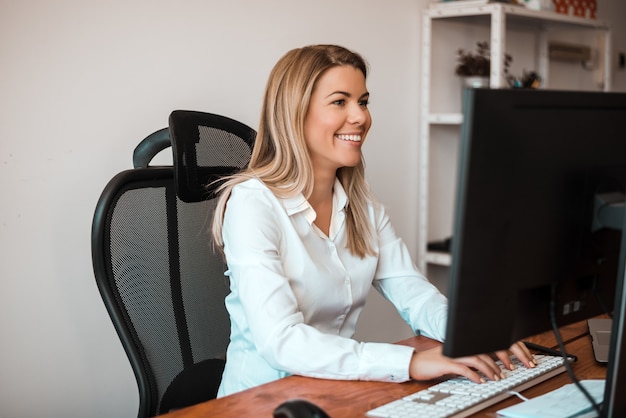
280,158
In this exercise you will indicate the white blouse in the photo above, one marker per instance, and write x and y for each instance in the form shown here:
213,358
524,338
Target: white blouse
296,294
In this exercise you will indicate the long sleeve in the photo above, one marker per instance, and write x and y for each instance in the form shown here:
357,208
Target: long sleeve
296,295
397,278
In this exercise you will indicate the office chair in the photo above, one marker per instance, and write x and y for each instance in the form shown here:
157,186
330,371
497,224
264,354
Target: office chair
160,280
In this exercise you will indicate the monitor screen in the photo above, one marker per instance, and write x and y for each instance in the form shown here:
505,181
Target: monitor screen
534,167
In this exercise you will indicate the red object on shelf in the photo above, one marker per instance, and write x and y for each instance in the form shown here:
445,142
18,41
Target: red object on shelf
592,7
578,8
561,6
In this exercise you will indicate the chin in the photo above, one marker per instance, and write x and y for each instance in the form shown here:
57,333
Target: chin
351,164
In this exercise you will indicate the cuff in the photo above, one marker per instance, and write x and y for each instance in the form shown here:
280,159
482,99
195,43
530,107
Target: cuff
386,362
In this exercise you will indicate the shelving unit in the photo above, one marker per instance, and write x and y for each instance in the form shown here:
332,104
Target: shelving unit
497,17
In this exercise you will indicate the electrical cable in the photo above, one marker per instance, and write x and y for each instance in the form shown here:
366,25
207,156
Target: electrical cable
519,395
568,366
596,294
550,351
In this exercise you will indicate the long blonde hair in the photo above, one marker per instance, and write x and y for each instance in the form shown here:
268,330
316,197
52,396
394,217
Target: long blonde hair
280,158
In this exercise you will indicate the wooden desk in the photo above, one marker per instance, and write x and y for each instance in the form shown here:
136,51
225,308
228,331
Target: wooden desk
349,399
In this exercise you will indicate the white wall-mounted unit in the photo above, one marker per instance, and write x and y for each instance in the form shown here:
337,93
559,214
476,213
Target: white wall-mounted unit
441,122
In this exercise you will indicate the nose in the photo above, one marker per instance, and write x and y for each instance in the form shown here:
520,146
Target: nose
358,114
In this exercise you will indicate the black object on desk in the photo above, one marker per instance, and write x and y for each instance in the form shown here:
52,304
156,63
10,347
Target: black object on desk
549,351
299,408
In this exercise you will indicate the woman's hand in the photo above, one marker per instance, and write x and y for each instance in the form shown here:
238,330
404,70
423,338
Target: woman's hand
430,364
520,351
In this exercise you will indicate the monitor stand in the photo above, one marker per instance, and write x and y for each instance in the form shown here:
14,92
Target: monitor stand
614,404
600,331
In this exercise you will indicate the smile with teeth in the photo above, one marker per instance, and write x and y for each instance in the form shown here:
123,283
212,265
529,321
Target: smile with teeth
345,137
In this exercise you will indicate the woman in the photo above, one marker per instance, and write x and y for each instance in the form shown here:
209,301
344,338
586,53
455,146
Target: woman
304,240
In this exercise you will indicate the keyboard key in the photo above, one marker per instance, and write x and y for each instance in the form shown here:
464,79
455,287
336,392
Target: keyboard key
460,397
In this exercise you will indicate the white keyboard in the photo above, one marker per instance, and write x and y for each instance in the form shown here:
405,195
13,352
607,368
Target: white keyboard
460,397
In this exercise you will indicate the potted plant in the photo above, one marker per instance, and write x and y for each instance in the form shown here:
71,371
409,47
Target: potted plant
475,68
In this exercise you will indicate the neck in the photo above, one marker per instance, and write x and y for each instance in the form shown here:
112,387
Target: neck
322,189
321,200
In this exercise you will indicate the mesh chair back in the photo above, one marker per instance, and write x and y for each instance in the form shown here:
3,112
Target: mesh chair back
162,284
206,147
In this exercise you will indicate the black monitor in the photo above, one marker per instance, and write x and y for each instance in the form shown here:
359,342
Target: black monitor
538,221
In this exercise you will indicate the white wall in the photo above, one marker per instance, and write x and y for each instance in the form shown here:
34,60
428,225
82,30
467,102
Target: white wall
81,83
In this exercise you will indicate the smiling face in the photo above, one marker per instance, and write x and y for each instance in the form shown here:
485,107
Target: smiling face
337,120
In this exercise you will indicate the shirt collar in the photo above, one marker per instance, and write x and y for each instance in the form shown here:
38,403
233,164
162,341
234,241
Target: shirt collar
298,203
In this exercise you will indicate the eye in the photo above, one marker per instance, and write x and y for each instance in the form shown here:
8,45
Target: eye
364,103
339,102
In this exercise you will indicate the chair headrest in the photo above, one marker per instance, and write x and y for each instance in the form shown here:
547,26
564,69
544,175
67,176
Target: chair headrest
151,146
206,147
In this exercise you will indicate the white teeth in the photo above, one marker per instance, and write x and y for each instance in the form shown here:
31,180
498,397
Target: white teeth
354,138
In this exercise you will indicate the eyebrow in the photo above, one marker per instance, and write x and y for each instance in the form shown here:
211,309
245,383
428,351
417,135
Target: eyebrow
345,93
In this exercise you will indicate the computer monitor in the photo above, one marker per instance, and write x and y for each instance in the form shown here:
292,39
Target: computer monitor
535,168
